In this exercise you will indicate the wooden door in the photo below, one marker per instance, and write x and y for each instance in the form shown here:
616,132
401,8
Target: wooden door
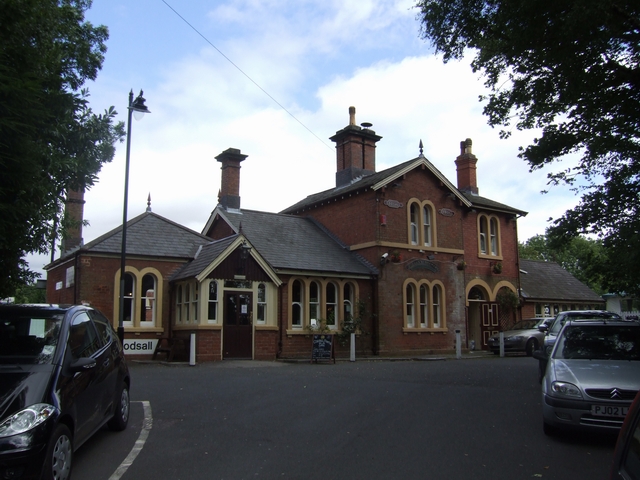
238,325
489,323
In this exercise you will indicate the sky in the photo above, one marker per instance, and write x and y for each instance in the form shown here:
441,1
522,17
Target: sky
275,79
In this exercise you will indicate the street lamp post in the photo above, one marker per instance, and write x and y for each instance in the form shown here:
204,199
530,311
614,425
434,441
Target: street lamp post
140,109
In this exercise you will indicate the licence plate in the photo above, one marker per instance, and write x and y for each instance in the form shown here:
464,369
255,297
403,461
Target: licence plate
608,411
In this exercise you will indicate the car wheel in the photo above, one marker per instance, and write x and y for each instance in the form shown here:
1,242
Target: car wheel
121,413
532,345
57,463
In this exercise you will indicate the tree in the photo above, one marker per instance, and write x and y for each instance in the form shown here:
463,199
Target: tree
572,70
582,257
50,139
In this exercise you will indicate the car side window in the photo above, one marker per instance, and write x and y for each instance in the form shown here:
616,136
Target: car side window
103,327
83,338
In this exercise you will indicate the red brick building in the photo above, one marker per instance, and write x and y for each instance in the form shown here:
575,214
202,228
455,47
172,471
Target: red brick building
405,253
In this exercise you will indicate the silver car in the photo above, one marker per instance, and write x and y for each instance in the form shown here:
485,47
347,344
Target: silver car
525,336
592,375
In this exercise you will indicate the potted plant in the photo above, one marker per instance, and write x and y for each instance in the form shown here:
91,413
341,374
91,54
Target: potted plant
395,256
497,268
461,265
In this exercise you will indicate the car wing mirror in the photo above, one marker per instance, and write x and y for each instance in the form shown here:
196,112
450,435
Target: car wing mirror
540,355
543,328
81,364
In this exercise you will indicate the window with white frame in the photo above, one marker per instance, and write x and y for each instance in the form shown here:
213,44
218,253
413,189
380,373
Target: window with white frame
347,302
410,305
488,235
314,303
148,301
421,223
212,302
413,223
142,298
424,311
129,299
437,311
426,225
261,316
179,304
331,305
424,306
186,303
313,300
194,302
297,304
493,235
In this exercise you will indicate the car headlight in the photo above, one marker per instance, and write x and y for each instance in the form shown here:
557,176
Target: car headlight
26,419
566,389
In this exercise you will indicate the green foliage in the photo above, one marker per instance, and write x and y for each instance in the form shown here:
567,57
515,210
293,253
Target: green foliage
353,324
507,299
584,258
30,294
571,70
50,140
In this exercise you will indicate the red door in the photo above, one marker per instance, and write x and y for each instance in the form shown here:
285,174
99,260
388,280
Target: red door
489,323
238,325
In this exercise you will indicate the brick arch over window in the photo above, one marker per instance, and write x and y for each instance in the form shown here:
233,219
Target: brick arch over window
145,307
421,223
483,286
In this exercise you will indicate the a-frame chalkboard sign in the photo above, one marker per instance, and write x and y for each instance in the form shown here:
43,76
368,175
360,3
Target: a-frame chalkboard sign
322,348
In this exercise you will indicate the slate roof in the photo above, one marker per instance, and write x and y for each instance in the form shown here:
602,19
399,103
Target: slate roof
287,242
207,254
148,235
549,281
384,177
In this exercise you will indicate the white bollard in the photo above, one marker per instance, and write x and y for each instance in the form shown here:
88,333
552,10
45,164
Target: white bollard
192,350
502,344
353,348
458,345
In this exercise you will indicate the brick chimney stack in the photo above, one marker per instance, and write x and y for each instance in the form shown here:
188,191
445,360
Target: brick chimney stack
229,196
466,168
355,150
73,217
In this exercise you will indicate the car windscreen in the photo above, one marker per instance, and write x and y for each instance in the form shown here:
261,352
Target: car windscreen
586,315
599,342
526,324
29,339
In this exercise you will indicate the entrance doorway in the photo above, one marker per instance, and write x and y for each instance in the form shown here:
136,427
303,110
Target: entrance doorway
238,325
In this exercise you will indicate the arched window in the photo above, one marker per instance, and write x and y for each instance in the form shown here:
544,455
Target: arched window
331,305
347,302
413,227
148,301
179,304
297,304
426,226
314,303
493,235
129,299
437,312
212,307
261,317
410,305
424,306
483,235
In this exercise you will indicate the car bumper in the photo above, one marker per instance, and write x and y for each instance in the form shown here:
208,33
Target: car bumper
22,456
576,415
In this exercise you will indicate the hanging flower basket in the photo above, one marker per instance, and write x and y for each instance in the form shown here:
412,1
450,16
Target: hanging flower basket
461,265
497,268
395,256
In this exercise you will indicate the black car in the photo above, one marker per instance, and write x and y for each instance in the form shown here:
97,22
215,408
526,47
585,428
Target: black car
63,376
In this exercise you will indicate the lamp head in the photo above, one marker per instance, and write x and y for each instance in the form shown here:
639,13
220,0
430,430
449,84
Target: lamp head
137,106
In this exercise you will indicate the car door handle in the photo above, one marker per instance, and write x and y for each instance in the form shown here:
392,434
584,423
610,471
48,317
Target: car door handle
106,362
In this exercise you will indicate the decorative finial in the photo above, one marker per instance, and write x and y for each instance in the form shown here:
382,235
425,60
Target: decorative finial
421,148
149,202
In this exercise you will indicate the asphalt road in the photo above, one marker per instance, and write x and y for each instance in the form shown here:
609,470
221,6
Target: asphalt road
453,419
